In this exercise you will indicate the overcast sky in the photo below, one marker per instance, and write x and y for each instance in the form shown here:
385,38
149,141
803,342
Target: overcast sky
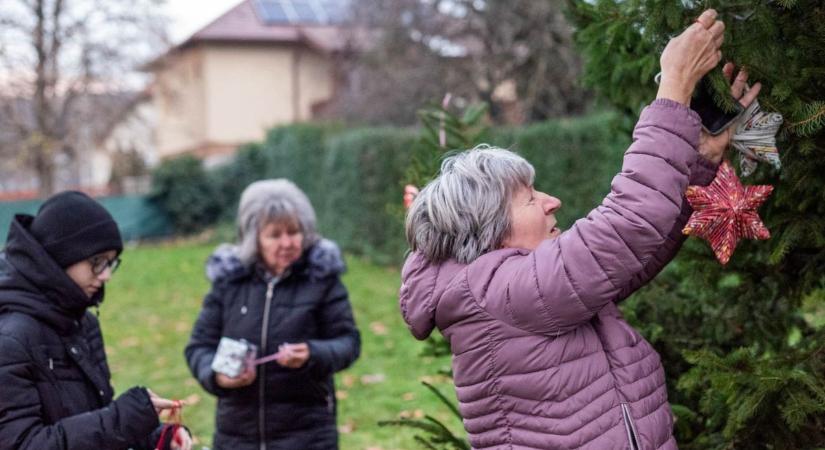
188,16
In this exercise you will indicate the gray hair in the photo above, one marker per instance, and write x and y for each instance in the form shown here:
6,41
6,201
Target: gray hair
465,212
267,201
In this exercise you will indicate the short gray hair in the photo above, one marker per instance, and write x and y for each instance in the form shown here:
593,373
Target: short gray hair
465,212
268,201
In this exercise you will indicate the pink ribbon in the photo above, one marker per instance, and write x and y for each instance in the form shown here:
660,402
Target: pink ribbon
265,359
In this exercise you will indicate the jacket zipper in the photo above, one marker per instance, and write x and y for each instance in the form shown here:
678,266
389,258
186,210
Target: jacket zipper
262,371
630,427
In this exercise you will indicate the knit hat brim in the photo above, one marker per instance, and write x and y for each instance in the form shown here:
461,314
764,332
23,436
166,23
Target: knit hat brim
96,238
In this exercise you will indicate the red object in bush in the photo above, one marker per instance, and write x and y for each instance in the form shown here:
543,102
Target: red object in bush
725,212
410,192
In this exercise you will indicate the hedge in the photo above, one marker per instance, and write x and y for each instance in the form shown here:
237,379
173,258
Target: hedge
575,159
355,177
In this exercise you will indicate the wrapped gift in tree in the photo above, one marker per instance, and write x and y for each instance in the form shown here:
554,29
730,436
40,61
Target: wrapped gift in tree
755,138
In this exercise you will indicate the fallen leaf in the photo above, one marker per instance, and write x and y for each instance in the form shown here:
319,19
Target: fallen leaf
348,380
433,379
347,427
378,328
415,414
129,342
373,378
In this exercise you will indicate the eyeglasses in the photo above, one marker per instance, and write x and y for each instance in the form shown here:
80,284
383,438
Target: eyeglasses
101,263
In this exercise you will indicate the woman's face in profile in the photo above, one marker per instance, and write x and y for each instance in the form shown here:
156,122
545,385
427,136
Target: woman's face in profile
83,272
280,244
533,218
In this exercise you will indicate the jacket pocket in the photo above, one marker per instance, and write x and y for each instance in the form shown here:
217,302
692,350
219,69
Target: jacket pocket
630,427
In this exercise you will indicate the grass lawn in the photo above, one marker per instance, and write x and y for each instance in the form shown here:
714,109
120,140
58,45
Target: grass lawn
151,305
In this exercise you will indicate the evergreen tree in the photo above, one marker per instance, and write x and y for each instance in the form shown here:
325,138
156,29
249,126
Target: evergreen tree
743,344
443,131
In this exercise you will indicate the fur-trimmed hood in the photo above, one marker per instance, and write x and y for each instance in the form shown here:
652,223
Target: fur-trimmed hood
321,260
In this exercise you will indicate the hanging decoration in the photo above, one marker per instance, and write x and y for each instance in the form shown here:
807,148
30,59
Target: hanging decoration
726,211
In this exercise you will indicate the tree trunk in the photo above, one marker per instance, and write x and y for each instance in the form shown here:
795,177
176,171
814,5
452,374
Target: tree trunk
43,164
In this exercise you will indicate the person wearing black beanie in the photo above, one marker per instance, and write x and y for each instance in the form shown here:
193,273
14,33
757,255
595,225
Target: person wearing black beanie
55,379
71,227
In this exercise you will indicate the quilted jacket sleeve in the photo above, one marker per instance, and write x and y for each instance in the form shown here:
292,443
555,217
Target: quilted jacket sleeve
203,343
340,343
618,246
702,173
122,424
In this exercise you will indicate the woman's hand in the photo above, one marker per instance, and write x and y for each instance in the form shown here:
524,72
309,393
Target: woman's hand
182,440
689,56
244,379
162,404
293,356
711,147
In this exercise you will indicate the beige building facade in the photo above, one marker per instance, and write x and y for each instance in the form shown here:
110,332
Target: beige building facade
232,81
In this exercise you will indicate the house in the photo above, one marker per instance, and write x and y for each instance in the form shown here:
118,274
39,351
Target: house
262,63
126,149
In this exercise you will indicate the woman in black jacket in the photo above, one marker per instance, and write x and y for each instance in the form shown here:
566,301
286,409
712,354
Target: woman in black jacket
55,390
279,289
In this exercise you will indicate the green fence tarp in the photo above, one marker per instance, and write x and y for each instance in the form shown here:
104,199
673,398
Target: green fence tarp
136,216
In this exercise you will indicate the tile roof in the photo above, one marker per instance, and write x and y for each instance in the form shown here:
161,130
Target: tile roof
244,23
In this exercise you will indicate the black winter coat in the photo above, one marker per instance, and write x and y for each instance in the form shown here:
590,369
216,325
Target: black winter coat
284,408
55,391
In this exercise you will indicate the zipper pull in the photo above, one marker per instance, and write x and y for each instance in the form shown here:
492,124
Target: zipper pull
51,364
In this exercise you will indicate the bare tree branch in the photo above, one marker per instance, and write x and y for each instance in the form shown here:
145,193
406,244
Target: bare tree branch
471,48
57,86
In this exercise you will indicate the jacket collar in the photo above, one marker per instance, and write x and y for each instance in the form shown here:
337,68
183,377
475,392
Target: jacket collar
318,261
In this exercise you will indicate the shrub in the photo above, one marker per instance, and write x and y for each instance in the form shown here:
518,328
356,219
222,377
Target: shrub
182,188
363,177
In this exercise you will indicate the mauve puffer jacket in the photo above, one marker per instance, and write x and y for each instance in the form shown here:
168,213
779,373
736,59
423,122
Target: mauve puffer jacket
542,358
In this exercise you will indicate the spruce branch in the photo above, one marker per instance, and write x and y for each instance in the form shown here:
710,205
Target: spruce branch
814,114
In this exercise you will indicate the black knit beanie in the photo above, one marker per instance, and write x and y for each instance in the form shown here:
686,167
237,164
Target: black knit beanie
72,227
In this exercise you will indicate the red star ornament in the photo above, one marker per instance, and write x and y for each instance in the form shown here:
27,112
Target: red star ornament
725,211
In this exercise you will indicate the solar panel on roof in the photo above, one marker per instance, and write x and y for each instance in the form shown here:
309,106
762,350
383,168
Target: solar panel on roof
302,11
305,12
336,10
272,11
318,8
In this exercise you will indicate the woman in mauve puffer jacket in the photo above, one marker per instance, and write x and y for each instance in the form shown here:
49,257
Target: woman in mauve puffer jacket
542,358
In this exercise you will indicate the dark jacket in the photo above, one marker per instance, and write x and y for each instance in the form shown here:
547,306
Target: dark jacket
283,408
55,390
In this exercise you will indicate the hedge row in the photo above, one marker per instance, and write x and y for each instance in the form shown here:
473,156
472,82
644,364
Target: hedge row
575,159
355,177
